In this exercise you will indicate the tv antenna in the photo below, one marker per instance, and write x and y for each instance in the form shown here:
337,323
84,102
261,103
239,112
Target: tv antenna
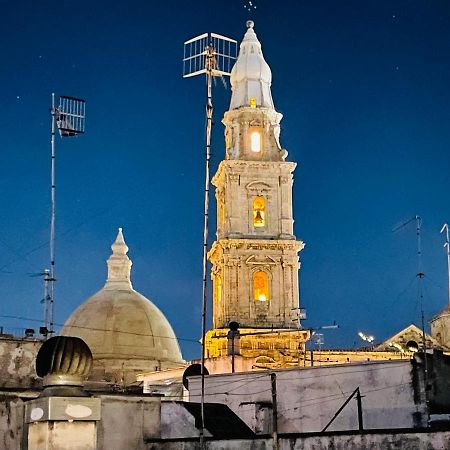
46,300
447,246
420,276
213,55
69,117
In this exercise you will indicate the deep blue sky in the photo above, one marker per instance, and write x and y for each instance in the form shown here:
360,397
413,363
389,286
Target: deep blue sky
364,89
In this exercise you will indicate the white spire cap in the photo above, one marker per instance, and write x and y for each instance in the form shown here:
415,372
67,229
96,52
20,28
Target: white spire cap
251,76
119,265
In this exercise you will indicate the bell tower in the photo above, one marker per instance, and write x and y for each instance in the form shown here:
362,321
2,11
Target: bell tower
255,259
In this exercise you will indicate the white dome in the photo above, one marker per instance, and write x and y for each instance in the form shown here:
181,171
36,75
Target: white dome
251,76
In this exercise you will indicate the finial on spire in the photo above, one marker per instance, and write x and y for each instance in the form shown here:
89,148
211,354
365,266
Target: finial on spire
119,247
119,265
250,24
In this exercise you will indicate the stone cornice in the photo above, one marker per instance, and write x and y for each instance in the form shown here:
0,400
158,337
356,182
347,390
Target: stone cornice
249,114
240,167
256,244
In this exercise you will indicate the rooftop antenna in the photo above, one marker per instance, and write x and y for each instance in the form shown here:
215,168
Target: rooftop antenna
69,117
46,300
213,55
447,246
420,276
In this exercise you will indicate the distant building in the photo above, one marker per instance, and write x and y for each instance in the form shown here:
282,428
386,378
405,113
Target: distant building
440,328
409,339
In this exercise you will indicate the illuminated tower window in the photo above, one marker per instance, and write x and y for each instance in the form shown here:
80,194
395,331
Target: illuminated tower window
255,141
259,212
261,286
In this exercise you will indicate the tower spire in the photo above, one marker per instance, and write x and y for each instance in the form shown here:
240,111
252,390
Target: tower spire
252,125
251,76
119,265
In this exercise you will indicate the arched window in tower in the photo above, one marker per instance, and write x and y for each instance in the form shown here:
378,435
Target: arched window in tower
261,286
259,212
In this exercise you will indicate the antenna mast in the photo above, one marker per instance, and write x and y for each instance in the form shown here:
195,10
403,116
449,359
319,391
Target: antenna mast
69,117
213,55
50,279
447,246
420,274
47,303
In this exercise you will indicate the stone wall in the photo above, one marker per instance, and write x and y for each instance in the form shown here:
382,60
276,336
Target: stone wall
127,421
13,429
308,398
405,440
17,363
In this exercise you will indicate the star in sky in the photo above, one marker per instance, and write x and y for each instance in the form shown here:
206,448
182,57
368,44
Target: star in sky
249,6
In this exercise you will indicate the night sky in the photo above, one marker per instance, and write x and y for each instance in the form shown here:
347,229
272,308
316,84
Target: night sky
364,90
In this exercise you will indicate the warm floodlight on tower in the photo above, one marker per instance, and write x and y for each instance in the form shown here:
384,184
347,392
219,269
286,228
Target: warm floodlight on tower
213,55
69,117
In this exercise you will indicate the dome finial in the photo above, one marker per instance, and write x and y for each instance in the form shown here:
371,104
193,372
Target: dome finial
119,265
250,24
119,247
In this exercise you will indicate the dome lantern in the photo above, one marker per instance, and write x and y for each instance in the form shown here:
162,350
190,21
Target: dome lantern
119,265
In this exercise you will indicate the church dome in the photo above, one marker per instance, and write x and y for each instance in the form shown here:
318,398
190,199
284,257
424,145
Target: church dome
125,331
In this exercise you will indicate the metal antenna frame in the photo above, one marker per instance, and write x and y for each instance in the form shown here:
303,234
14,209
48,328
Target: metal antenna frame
69,117
209,53
447,246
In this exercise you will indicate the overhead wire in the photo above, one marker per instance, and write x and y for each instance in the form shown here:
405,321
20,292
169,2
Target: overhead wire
267,372
6,316
23,256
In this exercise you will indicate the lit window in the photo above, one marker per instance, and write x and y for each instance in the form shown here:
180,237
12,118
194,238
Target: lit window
261,286
255,141
259,212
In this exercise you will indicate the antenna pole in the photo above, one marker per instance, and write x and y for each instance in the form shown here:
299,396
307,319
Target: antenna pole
421,275
210,63
200,57
51,297
47,278
447,246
